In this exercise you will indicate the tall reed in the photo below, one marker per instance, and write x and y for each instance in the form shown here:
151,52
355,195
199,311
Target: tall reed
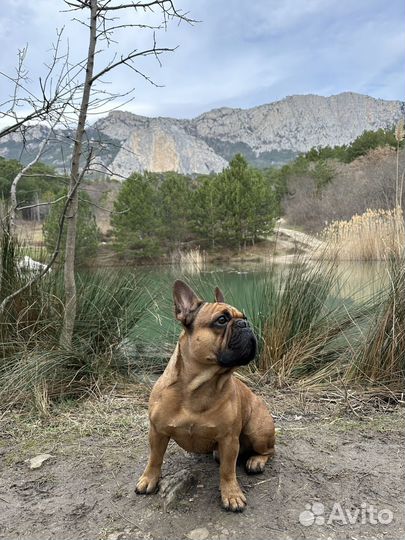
191,261
374,235
380,358
110,306
304,329
301,323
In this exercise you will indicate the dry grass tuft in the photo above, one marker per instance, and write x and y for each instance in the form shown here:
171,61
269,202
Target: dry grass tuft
192,260
374,235
381,358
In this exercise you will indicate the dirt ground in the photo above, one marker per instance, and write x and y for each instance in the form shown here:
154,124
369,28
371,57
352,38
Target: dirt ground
338,463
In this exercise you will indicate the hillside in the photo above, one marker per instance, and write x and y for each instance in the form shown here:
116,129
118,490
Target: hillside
270,134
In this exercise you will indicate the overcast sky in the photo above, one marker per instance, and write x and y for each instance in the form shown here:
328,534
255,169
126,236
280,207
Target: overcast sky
240,54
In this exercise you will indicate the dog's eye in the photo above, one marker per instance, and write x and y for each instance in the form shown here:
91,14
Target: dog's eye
222,320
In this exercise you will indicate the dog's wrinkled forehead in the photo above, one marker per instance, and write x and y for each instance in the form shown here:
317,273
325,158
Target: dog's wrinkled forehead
209,312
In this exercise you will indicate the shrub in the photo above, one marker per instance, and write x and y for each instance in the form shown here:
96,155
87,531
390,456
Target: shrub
369,182
175,209
299,321
235,207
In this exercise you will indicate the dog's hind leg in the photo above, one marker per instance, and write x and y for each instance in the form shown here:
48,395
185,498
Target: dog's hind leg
258,437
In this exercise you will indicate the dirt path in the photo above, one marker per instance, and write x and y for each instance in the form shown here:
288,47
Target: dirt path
325,459
299,237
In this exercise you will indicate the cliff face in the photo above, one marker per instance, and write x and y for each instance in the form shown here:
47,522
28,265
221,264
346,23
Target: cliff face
160,145
300,122
267,134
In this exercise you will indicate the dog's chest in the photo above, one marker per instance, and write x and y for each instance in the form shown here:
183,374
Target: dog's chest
194,435
195,432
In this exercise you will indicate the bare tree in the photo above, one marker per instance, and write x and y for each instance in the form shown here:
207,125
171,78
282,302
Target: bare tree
66,96
48,266
399,179
24,107
50,101
44,100
24,173
102,20
372,181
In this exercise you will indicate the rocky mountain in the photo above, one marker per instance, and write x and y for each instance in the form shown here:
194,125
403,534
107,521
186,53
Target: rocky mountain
267,135
157,144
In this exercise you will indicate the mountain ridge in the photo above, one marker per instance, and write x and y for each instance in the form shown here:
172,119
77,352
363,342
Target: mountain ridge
267,134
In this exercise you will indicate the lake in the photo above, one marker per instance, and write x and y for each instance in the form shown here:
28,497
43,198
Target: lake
241,284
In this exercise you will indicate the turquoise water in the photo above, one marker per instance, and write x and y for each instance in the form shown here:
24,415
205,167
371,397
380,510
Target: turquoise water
242,284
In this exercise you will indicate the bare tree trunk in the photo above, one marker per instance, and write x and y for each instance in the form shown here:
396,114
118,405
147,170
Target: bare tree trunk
53,258
69,269
37,209
13,189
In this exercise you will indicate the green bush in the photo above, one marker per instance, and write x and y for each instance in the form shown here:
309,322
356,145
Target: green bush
235,207
175,203
368,141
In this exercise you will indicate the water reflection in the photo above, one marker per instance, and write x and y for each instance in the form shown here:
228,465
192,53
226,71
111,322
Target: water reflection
355,280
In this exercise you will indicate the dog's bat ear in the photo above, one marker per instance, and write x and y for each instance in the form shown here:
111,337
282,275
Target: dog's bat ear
219,295
185,302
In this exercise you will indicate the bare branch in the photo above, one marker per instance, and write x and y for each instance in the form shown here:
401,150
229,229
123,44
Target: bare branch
41,204
13,189
23,172
129,57
112,212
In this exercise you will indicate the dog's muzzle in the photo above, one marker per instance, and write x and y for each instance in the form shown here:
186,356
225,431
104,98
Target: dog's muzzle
242,345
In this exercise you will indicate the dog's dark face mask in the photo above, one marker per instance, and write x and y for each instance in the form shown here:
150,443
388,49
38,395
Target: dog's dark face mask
241,347
224,335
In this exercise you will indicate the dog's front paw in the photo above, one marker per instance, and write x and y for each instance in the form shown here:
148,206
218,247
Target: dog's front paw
147,484
232,497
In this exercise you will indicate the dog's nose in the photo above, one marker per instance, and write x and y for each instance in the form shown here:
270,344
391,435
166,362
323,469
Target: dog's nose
242,323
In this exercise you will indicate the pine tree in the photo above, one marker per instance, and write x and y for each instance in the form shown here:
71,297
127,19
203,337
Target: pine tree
175,208
136,223
206,218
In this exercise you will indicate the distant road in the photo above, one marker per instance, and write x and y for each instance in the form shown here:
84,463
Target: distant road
298,236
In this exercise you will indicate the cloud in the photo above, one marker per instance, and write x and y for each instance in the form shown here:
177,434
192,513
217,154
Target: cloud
241,54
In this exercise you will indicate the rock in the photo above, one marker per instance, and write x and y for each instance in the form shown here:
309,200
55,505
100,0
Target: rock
115,536
176,487
284,128
37,461
27,263
162,145
298,123
198,534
